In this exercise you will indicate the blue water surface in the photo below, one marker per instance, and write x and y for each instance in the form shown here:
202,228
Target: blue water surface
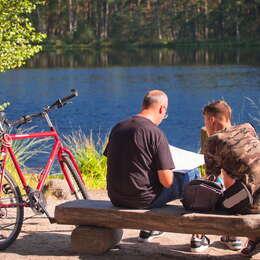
108,95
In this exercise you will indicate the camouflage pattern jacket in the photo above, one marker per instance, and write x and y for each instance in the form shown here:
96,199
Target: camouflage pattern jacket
237,151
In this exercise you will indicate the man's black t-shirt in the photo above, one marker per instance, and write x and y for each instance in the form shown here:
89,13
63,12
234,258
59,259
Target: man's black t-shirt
136,150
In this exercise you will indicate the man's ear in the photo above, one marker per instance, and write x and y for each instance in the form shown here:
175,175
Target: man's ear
161,110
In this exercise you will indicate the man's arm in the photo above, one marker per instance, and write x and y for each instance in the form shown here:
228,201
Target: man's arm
166,178
164,163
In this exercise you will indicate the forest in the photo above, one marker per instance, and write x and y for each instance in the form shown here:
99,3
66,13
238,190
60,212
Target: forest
148,22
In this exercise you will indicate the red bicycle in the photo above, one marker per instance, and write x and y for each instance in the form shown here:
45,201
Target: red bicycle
12,203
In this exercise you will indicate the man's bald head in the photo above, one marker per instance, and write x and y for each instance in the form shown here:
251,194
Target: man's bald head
155,104
154,97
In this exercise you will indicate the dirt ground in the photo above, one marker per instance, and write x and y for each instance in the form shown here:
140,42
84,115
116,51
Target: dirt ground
41,240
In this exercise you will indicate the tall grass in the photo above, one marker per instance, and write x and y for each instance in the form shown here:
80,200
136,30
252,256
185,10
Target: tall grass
89,155
254,114
25,150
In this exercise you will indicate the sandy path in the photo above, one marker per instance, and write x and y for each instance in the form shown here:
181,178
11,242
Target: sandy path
41,240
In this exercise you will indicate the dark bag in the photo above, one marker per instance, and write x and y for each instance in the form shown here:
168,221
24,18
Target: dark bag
201,195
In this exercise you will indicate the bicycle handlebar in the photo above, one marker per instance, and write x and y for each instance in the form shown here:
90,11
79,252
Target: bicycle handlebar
62,101
23,120
57,104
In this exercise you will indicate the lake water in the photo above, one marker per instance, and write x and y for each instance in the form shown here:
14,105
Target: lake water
109,93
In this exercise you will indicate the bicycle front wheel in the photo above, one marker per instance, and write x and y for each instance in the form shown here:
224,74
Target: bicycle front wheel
11,212
78,185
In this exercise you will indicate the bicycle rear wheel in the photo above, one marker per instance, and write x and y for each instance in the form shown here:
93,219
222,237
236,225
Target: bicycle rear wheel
78,185
11,217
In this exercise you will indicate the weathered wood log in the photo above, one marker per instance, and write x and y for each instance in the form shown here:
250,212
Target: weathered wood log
171,218
94,240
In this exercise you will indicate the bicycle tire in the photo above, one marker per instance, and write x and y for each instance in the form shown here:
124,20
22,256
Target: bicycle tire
80,189
14,189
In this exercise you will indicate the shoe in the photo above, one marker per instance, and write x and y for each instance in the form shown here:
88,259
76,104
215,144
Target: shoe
147,236
250,247
232,243
198,245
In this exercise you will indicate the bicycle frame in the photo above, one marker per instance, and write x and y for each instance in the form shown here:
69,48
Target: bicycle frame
57,151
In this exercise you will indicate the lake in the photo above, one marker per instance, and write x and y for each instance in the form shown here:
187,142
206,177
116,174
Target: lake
111,89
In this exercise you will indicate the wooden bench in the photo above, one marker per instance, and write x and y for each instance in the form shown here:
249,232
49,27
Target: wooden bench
99,224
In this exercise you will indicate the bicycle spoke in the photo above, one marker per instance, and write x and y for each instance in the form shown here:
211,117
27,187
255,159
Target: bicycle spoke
11,212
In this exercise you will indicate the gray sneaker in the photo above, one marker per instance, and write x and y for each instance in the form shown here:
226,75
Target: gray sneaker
232,243
199,245
147,236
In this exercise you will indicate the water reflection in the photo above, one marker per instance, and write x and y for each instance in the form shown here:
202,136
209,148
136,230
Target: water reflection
139,57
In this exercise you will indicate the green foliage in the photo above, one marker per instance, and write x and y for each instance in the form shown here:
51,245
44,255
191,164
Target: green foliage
88,154
4,106
149,22
84,34
18,38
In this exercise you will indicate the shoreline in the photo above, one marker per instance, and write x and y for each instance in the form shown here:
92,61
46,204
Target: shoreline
103,46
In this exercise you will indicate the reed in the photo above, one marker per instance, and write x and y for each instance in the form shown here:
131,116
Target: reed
89,155
25,150
254,110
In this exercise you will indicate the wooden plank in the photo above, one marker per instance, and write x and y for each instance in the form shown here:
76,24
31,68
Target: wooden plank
171,218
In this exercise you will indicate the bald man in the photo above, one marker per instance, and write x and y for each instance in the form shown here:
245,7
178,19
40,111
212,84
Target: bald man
139,162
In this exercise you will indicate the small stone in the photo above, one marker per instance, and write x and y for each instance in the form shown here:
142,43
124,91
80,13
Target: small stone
57,188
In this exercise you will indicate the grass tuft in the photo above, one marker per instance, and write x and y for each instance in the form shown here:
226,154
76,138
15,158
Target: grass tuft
255,110
89,155
25,150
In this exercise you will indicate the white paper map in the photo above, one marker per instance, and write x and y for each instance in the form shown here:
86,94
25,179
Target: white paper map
185,160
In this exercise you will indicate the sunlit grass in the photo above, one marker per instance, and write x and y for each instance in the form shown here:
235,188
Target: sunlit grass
25,150
89,155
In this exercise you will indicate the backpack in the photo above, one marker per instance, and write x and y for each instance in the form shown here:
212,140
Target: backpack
205,195
202,195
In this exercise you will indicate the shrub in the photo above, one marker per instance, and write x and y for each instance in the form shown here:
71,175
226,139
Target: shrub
89,155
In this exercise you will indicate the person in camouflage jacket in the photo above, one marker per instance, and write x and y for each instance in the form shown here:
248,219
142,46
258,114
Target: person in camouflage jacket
234,153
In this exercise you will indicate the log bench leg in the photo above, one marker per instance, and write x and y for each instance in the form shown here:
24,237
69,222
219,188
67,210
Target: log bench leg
94,240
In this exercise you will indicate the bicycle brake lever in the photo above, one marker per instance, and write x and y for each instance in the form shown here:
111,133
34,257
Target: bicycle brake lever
8,124
62,104
68,102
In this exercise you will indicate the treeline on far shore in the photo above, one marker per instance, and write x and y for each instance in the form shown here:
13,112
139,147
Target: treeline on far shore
149,22
90,57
